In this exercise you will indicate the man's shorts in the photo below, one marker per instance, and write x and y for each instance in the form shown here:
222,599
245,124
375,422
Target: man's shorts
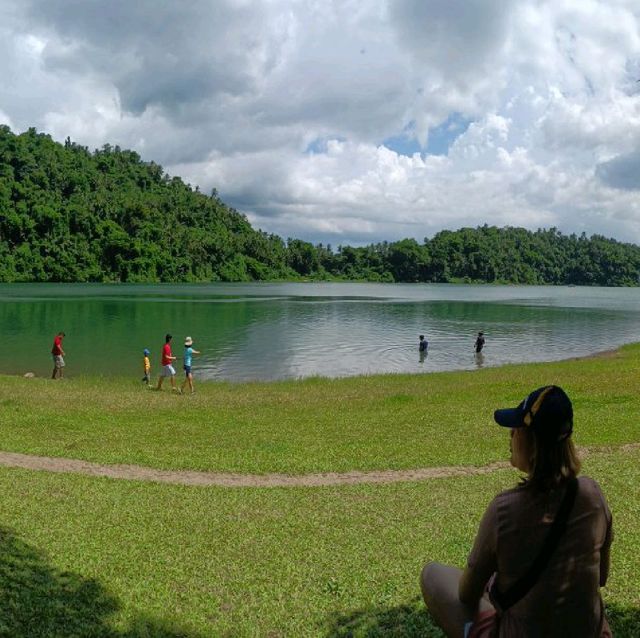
168,371
187,370
58,361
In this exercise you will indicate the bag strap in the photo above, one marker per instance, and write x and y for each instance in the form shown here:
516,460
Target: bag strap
522,586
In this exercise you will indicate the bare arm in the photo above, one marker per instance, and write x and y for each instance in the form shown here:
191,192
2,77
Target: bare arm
471,587
481,564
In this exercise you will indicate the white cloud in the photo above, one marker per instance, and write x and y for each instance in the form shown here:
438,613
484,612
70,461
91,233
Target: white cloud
283,105
5,119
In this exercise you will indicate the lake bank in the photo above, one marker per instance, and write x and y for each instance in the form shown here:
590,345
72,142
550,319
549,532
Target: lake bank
311,425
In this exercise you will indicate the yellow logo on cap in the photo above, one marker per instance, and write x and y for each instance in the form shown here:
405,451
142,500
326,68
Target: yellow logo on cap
528,417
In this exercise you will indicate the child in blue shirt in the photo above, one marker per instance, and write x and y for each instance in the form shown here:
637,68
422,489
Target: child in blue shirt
188,354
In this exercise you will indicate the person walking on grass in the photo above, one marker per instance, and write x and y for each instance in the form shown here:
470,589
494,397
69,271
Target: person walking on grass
146,366
542,550
167,368
58,356
188,355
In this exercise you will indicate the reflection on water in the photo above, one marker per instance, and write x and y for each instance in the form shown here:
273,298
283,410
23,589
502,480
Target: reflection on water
275,331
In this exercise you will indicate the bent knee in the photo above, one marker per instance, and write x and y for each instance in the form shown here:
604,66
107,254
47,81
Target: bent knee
428,577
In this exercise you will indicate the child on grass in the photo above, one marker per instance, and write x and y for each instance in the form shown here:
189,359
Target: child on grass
188,354
167,368
146,364
58,356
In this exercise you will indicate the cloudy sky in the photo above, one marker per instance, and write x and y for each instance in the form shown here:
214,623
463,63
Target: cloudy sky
350,121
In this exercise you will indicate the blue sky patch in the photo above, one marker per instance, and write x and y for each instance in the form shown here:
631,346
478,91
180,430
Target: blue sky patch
319,145
440,137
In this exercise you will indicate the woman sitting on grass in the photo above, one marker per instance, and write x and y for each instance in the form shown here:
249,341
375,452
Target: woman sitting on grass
542,550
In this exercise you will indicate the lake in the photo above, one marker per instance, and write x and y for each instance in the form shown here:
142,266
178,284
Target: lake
283,330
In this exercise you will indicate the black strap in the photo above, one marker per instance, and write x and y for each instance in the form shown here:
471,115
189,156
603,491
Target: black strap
520,588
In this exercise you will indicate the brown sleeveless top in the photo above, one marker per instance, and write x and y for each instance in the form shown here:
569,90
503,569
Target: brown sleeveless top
565,602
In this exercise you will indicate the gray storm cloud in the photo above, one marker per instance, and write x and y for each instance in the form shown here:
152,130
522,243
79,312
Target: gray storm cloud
621,172
456,37
164,54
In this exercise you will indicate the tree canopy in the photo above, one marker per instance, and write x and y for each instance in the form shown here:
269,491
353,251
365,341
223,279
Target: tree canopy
68,214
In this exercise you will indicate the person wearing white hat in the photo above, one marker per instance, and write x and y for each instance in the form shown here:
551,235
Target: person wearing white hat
188,355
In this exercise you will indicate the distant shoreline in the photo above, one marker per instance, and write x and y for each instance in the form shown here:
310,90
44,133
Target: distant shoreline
312,281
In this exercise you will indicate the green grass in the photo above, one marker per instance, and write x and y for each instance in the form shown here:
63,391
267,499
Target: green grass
83,556
122,558
313,425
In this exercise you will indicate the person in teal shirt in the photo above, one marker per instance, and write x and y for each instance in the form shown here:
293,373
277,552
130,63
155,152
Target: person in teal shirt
188,355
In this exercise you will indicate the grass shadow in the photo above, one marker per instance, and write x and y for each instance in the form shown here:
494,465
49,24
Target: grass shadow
404,621
413,621
40,601
624,620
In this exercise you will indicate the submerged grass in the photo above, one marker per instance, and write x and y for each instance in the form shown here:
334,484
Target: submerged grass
311,425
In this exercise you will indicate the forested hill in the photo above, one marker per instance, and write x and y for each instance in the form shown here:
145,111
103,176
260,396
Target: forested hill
68,214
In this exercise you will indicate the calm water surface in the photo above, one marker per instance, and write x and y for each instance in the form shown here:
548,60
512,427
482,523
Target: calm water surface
284,330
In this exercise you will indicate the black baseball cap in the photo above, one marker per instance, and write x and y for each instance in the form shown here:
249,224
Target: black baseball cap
547,410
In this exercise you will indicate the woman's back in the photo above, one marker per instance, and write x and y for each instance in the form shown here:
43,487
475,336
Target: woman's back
565,601
545,594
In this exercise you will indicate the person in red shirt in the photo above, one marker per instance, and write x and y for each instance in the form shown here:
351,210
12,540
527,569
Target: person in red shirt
167,368
58,356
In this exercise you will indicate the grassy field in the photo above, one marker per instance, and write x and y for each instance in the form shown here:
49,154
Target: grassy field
315,425
82,556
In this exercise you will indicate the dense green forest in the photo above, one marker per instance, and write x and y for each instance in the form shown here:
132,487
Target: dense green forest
68,214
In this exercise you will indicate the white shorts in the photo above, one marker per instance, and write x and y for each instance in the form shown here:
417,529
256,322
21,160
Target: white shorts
168,371
58,361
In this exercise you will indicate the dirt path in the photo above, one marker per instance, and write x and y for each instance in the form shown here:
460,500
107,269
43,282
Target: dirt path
227,479
221,479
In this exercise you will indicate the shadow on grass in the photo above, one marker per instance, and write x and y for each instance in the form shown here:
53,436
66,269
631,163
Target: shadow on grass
413,621
405,621
624,621
39,601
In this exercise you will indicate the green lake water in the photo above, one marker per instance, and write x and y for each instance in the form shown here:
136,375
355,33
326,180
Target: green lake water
285,330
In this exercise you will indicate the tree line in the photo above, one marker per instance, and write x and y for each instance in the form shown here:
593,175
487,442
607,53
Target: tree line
71,215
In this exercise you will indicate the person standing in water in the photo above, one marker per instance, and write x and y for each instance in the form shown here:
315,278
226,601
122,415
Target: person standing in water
479,343
423,344
188,354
